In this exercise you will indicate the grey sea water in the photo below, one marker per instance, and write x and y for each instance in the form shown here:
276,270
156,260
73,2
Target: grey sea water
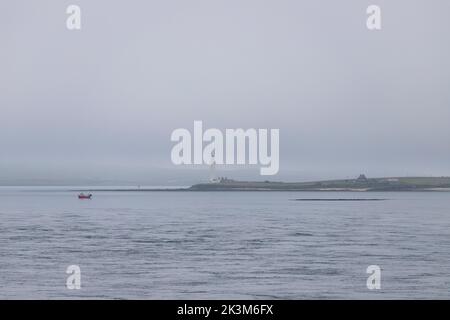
230,245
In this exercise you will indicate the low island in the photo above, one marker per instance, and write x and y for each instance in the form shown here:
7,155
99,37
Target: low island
360,184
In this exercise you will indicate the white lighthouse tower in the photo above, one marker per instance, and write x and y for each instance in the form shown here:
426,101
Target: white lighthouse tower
212,168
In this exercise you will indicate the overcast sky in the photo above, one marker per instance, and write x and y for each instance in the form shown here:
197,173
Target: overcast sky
100,103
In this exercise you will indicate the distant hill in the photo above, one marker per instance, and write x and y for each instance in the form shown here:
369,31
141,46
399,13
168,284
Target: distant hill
360,184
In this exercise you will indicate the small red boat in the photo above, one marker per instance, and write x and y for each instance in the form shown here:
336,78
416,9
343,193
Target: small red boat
84,196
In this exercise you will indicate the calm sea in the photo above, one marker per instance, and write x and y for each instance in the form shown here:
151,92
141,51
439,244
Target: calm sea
223,245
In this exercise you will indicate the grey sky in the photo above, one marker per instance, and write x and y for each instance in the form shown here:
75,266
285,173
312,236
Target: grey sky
100,103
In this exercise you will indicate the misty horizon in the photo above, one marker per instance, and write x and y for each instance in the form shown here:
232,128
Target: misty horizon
98,105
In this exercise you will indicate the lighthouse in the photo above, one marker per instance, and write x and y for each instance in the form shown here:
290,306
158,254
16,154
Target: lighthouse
212,168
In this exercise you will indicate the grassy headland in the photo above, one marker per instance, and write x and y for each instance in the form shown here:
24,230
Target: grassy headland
360,184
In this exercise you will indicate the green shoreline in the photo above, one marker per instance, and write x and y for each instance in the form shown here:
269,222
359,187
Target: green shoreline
361,184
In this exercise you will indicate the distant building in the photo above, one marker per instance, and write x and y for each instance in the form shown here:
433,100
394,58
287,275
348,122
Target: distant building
362,178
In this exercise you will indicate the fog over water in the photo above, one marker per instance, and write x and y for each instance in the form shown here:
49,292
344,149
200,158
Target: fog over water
98,105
